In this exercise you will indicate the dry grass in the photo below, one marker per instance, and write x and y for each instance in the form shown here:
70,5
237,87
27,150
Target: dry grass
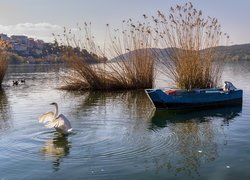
3,60
191,63
132,69
188,37
85,76
135,60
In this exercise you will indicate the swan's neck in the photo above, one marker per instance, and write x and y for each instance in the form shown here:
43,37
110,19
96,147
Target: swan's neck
56,111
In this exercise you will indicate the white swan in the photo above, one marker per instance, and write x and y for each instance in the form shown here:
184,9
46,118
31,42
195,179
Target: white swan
55,120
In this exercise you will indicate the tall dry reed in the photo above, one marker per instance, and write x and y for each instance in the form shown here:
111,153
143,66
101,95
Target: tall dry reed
190,40
3,60
131,64
134,57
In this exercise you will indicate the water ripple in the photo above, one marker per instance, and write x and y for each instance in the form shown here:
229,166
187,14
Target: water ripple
113,135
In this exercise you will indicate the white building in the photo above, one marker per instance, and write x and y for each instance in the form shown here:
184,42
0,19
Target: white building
20,39
19,47
4,37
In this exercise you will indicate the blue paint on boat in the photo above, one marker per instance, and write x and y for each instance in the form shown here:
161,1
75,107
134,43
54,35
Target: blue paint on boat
197,98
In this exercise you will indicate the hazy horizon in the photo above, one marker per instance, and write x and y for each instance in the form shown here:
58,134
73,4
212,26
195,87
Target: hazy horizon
39,19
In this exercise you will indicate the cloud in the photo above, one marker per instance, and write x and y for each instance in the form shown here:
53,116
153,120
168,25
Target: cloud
41,31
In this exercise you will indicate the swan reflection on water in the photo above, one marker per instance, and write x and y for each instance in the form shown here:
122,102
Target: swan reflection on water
56,149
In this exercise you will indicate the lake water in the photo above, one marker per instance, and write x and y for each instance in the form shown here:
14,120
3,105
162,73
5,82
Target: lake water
119,135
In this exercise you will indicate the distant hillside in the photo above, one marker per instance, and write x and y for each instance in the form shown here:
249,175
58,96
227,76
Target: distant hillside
235,52
23,49
51,54
228,53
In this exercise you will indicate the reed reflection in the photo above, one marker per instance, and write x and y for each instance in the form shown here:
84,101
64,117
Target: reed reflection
56,149
33,68
133,103
4,111
195,136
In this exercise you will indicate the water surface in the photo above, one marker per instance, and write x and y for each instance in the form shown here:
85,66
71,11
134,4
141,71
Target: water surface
119,135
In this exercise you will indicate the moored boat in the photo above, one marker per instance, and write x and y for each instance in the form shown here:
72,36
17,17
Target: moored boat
196,98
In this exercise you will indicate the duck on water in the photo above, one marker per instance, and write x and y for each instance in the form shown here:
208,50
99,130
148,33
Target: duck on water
17,82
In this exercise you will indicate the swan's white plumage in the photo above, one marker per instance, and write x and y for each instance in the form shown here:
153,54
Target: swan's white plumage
59,122
47,117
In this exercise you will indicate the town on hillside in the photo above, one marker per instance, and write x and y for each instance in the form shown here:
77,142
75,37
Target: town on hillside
24,45
28,50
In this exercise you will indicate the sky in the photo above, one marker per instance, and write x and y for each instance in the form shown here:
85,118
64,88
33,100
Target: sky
40,18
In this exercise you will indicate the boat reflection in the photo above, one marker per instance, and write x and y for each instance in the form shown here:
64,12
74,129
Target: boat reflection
56,149
162,118
194,137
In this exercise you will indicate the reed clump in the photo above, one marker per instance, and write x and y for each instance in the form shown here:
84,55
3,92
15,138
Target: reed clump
190,39
85,76
130,64
3,60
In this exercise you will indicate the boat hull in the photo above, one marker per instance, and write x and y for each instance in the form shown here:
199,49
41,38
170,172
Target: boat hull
195,99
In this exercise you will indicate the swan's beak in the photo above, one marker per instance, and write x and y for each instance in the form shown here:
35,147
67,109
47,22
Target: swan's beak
52,104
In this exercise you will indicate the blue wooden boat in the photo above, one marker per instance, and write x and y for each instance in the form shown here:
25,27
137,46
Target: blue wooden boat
196,98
